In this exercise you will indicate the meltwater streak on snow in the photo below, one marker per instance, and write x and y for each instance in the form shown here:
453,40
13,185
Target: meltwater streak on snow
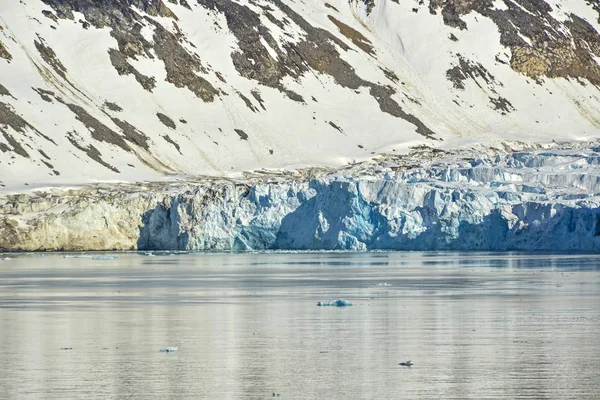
544,200
475,326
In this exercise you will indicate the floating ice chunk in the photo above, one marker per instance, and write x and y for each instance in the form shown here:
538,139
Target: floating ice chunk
105,258
334,303
74,256
406,363
5,258
383,284
169,349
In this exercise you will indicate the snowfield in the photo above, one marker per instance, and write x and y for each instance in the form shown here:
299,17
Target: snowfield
111,92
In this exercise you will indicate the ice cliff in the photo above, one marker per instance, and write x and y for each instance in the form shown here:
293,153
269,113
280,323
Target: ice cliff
525,200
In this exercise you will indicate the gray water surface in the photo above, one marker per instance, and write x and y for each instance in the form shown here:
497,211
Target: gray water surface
475,326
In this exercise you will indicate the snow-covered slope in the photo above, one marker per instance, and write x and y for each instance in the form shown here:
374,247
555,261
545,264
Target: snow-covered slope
133,90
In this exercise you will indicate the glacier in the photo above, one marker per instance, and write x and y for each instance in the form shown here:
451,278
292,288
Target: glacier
536,199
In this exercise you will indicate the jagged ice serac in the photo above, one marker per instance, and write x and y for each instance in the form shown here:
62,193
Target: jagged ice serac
530,200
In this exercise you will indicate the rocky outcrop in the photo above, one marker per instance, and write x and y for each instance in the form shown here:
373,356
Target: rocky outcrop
541,46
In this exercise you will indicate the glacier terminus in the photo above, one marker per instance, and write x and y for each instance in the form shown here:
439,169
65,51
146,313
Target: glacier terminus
537,199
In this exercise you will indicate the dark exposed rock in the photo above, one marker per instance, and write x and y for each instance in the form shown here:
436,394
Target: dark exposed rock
554,49
47,164
220,77
132,134
168,122
43,154
316,52
4,91
595,5
171,141
279,23
126,24
357,38
241,134
112,106
411,99
91,152
50,14
390,74
334,125
16,146
181,66
46,95
502,105
9,118
256,94
185,4
98,130
109,12
4,53
247,102
119,61
388,105
293,95
49,56
370,4
467,69
332,7
130,41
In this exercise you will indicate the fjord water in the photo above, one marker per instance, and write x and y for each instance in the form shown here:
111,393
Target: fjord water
475,325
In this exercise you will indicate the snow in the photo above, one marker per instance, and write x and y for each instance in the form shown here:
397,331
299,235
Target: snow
208,142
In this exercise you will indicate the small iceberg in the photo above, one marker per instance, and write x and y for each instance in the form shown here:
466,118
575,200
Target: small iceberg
105,258
383,284
406,363
75,256
169,350
5,258
334,303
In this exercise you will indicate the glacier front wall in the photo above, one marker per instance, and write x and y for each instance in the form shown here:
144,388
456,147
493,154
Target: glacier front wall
364,215
545,201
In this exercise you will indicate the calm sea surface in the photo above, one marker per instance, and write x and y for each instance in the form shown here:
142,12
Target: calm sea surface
247,326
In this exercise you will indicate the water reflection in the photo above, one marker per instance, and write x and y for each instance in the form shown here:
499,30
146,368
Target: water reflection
483,325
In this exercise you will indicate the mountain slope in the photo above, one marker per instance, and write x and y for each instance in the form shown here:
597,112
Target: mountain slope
139,89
